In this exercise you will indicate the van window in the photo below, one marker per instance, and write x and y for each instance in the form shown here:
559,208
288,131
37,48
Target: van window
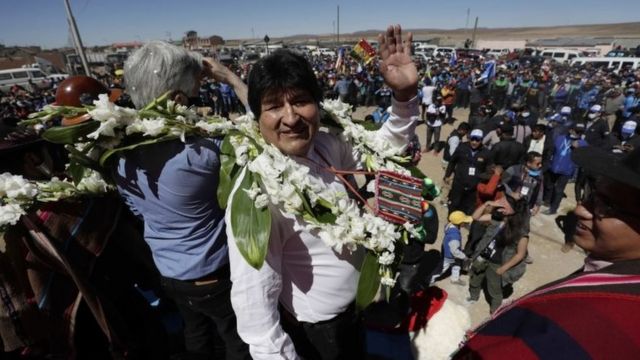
614,64
37,74
571,56
20,75
627,64
558,55
546,54
6,76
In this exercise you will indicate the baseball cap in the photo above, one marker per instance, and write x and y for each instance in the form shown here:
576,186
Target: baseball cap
476,133
458,217
596,109
629,127
566,110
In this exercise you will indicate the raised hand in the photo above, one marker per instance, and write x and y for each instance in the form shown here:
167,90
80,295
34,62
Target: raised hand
396,66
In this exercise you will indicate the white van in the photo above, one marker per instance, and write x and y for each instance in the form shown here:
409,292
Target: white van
497,52
20,76
609,63
560,55
444,51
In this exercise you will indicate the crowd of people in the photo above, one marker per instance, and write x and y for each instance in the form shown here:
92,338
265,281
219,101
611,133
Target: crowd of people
532,128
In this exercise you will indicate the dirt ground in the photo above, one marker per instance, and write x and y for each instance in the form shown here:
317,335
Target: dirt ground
546,239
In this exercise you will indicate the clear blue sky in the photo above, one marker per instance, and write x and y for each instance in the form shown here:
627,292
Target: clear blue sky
43,22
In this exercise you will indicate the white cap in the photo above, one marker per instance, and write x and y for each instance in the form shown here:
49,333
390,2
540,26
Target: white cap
566,110
629,127
596,108
476,133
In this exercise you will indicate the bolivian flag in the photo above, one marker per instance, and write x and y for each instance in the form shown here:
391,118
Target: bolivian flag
363,51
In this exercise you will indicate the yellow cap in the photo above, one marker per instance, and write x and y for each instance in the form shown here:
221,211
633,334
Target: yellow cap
119,72
458,217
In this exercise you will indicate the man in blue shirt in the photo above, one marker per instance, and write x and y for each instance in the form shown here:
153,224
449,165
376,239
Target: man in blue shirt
562,166
172,187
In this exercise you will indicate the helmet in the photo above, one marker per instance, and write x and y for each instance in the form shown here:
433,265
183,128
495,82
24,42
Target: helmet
78,91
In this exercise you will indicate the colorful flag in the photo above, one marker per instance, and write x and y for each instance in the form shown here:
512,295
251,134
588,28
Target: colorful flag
363,51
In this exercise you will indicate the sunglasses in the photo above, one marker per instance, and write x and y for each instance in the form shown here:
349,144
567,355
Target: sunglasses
475,138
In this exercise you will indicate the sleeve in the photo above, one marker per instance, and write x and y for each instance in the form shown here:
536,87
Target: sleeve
488,190
254,297
401,126
452,163
454,247
453,141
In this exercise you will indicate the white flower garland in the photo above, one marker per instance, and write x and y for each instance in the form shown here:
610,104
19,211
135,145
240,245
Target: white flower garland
17,194
283,182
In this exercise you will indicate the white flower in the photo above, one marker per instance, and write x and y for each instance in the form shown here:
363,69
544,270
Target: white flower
241,154
261,201
107,128
387,281
15,186
253,192
337,107
10,214
386,258
93,183
153,127
215,127
105,111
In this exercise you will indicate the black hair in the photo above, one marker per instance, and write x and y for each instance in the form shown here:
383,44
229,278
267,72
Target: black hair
464,126
515,222
531,155
283,70
539,127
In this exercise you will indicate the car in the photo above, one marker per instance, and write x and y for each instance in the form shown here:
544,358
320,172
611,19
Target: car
618,53
250,57
497,52
469,53
443,51
323,52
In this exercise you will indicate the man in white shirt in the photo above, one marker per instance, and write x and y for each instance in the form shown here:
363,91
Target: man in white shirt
427,96
300,303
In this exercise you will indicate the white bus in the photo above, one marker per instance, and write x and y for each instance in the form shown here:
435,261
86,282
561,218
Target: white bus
610,63
560,55
20,76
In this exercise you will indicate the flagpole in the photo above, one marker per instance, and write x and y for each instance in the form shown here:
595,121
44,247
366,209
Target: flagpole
76,38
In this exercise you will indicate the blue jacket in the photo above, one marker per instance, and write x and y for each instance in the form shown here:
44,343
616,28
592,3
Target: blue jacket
451,233
561,162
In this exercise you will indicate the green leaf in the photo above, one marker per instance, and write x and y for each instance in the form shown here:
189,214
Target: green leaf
81,158
76,171
325,217
107,154
229,172
251,227
415,172
369,281
70,134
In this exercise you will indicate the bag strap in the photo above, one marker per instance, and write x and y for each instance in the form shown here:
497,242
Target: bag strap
340,175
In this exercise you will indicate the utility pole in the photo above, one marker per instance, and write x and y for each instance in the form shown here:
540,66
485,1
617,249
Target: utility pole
473,37
466,24
76,38
338,33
